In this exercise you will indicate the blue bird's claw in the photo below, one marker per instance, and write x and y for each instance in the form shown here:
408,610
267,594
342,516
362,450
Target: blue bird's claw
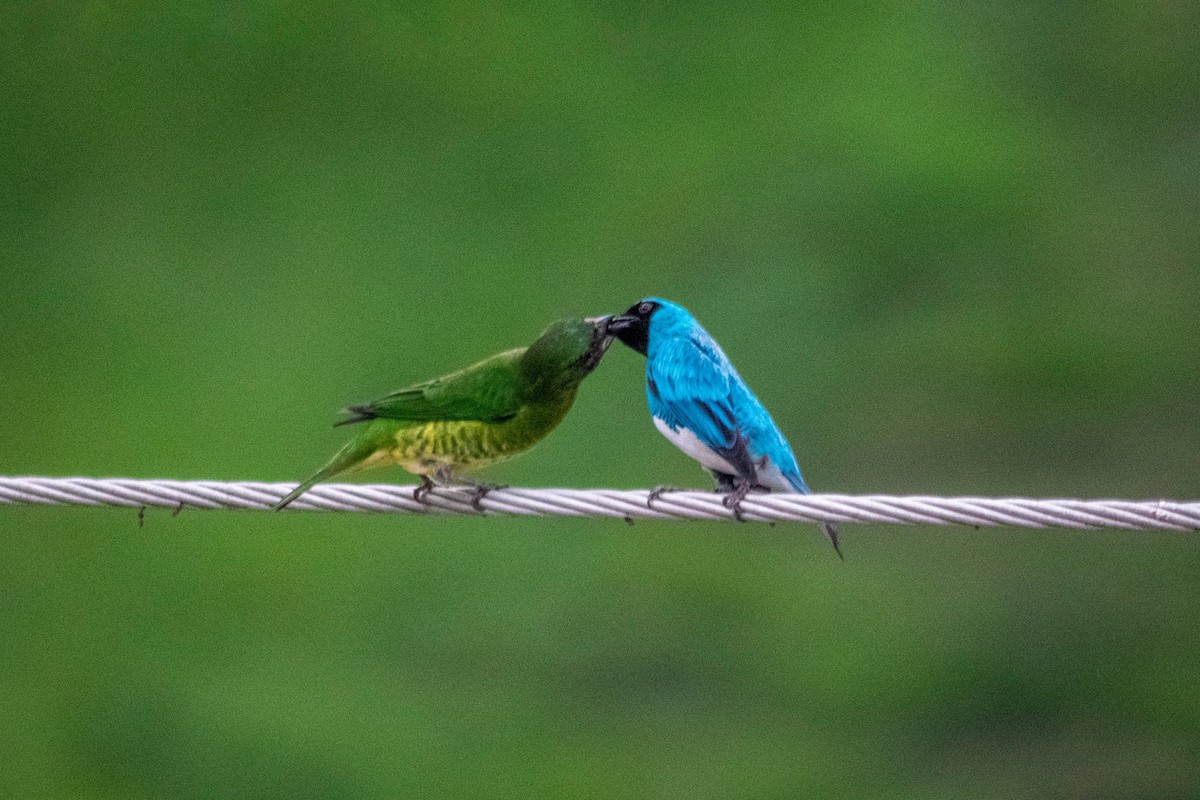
733,500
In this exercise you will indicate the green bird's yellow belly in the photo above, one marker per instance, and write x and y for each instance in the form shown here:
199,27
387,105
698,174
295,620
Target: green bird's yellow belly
458,446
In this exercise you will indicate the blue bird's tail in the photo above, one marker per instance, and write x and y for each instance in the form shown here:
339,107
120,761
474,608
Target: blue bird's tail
831,531
828,528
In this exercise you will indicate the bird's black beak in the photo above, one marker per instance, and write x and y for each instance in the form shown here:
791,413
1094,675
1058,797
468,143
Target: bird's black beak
632,330
621,323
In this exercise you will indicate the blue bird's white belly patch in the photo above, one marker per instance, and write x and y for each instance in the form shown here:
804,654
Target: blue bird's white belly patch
771,477
690,444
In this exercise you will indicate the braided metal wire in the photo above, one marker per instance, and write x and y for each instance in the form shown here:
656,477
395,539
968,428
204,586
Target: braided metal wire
618,503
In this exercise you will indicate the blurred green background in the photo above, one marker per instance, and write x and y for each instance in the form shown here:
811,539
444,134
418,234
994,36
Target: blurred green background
952,246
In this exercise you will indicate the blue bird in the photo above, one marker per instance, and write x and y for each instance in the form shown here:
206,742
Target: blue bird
703,407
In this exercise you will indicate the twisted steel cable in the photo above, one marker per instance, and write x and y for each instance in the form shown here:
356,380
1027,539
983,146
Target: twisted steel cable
628,504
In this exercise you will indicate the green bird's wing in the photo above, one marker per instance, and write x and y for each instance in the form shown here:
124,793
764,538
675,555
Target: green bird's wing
488,391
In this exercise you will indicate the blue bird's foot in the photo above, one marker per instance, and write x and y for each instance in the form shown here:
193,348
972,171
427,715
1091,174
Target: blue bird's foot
733,500
657,492
422,490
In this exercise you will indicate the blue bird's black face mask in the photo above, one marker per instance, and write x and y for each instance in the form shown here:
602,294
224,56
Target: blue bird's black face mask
633,327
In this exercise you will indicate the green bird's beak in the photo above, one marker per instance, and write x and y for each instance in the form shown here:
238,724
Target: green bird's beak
601,339
600,324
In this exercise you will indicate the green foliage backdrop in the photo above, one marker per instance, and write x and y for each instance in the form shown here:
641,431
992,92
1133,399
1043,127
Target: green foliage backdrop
953,246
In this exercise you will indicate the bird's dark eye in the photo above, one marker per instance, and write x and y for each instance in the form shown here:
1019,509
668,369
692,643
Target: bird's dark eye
645,309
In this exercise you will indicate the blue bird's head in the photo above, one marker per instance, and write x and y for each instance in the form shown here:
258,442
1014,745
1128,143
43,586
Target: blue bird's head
651,317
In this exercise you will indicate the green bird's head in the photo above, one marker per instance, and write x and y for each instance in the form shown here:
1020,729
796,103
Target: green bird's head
565,353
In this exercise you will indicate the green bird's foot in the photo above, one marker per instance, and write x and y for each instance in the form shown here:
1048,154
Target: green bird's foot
422,490
481,491
657,492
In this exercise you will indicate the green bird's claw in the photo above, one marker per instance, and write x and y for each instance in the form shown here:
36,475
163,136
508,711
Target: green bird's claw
422,490
481,491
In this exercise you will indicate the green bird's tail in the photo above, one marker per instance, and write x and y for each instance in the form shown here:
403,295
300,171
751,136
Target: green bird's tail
355,452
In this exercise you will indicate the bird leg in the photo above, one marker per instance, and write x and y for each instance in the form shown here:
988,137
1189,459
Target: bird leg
422,490
478,490
733,500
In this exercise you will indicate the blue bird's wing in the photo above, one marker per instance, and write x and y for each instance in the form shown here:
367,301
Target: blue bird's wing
690,384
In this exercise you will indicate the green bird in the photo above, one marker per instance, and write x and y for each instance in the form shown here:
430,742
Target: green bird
486,413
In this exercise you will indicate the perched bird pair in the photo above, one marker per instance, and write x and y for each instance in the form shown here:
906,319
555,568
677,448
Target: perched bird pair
505,404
